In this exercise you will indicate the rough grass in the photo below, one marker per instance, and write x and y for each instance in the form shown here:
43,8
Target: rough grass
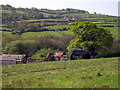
91,73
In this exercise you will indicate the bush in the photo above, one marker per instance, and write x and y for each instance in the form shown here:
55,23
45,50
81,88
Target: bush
42,54
28,47
108,54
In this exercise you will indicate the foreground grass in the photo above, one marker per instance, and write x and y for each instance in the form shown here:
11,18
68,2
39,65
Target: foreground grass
95,73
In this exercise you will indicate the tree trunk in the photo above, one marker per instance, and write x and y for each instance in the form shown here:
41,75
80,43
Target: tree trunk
92,50
92,56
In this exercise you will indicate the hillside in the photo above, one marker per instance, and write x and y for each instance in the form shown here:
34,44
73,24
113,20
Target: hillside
38,20
92,73
47,29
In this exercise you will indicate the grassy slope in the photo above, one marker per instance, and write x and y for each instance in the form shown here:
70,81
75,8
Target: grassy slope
63,74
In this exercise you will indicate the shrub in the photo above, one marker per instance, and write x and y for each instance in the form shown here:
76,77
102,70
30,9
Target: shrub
41,54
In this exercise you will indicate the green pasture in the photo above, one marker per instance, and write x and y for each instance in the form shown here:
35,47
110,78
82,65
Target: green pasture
100,18
44,20
56,27
115,32
3,25
21,12
87,15
6,33
6,11
4,28
38,34
106,24
86,73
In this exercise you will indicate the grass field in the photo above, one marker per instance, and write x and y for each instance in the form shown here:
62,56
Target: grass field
45,20
98,18
38,34
56,27
3,25
112,24
4,28
6,33
87,15
6,11
113,30
91,73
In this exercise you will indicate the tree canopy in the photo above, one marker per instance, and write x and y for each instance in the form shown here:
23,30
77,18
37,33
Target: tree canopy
89,37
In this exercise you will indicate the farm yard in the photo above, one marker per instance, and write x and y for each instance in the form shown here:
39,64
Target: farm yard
36,33
87,73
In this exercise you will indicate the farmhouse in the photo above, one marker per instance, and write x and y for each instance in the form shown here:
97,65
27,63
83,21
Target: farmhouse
8,59
74,55
79,54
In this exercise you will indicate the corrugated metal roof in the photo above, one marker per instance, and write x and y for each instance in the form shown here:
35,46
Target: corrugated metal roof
10,57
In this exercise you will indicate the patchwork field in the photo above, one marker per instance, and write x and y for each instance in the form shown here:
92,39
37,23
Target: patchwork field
38,34
91,73
113,30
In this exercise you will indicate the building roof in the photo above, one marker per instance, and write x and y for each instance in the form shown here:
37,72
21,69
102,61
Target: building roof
11,57
59,53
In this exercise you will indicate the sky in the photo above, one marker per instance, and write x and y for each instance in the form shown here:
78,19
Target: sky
107,7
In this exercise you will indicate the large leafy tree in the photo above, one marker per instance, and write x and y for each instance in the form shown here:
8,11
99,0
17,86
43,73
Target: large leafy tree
89,37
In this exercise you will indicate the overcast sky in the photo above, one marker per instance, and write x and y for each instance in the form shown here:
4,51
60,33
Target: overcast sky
109,7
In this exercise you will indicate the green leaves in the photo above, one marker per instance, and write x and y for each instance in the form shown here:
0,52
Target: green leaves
90,36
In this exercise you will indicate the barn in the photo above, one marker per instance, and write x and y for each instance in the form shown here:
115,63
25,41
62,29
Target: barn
74,55
9,59
79,54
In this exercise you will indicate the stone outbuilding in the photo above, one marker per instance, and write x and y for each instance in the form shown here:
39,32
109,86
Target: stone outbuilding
9,59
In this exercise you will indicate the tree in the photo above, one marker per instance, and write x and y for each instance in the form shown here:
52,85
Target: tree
27,47
89,37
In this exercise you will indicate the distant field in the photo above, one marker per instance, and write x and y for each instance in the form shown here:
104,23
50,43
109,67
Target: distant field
91,73
6,33
87,15
21,12
99,18
5,11
114,31
44,20
105,24
2,25
38,34
56,27
4,28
